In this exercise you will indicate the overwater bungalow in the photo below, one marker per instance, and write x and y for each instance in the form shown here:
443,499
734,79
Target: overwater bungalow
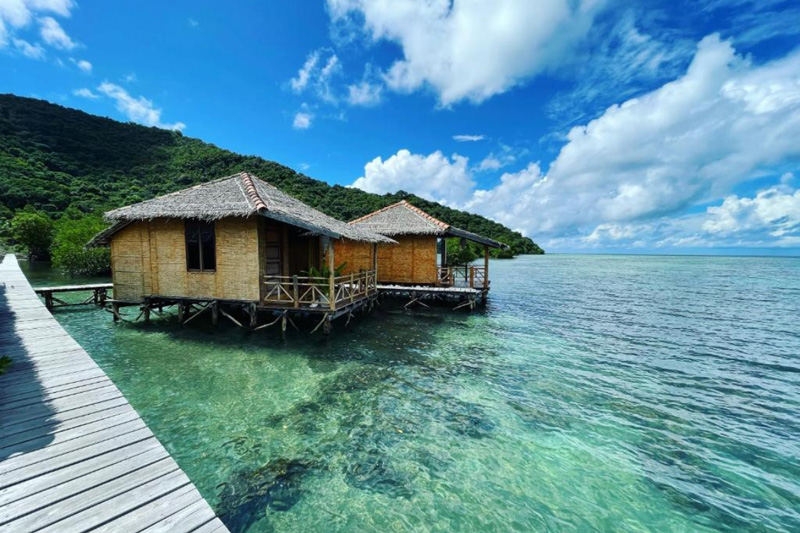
413,260
236,242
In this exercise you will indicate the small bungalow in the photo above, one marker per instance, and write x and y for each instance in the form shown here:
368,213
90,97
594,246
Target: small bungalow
413,260
236,241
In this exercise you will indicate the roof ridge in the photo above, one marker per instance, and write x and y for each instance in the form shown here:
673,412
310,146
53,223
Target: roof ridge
381,210
175,193
414,209
426,216
251,192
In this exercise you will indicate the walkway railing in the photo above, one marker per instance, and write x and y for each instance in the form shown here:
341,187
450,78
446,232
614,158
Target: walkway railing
463,276
315,292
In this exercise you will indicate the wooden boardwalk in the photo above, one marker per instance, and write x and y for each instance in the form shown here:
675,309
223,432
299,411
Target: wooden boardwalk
74,455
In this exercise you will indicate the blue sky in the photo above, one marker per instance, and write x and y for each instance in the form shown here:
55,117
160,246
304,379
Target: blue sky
589,125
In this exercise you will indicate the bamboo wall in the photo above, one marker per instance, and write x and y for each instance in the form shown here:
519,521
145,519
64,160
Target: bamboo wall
412,260
357,255
149,258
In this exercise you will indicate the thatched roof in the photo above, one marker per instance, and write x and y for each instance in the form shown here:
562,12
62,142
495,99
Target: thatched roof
240,195
403,218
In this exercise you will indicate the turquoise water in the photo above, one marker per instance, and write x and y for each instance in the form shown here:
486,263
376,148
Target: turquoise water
593,393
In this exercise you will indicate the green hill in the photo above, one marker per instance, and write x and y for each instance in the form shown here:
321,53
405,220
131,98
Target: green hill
52,157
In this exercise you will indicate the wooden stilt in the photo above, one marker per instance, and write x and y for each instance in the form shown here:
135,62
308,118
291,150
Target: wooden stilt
327,327
324,318
115,310
283,326
253,315
48,300
262,326
197,314
146,311
214,313
229,317
181,312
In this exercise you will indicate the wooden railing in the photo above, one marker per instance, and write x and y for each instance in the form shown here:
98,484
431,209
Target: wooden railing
314,292
463,276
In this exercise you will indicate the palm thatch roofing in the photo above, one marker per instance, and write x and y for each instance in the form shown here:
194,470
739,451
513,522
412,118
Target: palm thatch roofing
403,218
239,195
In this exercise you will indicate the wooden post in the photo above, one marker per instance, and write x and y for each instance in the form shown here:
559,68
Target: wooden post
214,313
471,277
283,326
444,252
352,286
295,291
485,266
328,246
374,263
115,309
253,315
146,311
327,327
181,312
48,301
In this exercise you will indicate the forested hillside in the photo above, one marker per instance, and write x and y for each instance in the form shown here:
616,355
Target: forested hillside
52,158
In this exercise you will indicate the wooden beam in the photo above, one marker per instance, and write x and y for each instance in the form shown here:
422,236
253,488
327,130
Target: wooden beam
485,266
328,247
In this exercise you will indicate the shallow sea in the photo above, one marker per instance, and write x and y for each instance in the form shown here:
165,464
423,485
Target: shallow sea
613,393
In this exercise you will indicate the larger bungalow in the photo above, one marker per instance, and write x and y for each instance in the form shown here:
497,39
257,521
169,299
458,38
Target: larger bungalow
236,240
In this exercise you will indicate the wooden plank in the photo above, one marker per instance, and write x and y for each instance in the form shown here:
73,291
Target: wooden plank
211,527
64,447
155,511
74,288
79,455
12,429
50,396
74,455
63,425
77,471
61,503
126,500
52,384
187,519
49,408
105,425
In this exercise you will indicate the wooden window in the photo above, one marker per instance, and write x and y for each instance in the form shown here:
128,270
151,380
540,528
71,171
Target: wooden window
201,247
273,251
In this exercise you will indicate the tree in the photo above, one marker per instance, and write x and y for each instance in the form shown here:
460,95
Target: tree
69,245
33,230
460,252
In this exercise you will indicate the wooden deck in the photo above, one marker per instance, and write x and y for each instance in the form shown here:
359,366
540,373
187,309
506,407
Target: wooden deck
74,455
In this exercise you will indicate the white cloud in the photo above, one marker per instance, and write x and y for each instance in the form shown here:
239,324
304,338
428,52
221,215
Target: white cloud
468,138
53,34
129,78
364,94
619,60
16,14
33,51
434,176
300,81
314,75
139,109
633,173
688,142
302,120
194,22
82,64
495,161
469,50
85,93
772,211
